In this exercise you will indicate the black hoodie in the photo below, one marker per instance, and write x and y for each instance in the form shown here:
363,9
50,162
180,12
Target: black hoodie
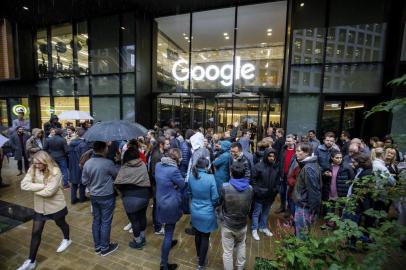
265,179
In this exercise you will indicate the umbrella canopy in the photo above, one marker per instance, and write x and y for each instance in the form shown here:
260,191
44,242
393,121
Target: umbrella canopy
114,131
75,115
3,140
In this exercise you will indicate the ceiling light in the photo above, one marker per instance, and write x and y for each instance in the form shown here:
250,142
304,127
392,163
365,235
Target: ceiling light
269,30
263,43
25,8
122,27
302,4
186,37
225,34
227,37
269,34
159,44
184,34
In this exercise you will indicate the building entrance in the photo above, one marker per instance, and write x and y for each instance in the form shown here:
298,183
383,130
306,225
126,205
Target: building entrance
219,112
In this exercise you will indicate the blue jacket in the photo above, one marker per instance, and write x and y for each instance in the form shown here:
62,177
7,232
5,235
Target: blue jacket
169,182
222,164
204,197
75,150
323,156
185,147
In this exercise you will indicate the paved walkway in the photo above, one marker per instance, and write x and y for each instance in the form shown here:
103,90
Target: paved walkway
14,244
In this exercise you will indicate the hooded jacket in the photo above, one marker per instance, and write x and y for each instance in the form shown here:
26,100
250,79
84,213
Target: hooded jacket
236,199
198,151
344,175
323,156
265,180
34,144
245,143
222,164
56,147
307,191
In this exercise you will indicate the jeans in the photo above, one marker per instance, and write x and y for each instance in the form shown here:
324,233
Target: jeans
20,163
167,243
291,205
303,220
261,214
64,168
283,190
138,221
202,245
103,208
233,239
74,190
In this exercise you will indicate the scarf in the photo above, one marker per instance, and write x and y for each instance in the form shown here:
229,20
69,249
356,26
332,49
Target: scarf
168,161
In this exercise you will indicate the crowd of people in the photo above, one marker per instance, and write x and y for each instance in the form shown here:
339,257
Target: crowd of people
215,177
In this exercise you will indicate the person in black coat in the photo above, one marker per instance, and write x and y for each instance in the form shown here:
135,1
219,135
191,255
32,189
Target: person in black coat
52,123
57,148
265,181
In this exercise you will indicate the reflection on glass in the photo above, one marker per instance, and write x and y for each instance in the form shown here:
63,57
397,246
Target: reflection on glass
173,53
104,51
355,78
3,113
102,85
302,113
129,108
64,104
308,45
212,50
260,42
357,47
43,87
62,50
42,53
105,108
128,42
45,110
305,79
128,83
82,47
82,85
84,104
353,117
164,110
62,86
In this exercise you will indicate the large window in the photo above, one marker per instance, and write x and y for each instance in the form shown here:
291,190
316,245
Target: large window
128,42
212,49
104,45
222,61
106,108
82,48
62,50
260,42
42,53
173,53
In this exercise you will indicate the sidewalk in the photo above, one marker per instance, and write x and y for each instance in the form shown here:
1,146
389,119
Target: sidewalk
14,244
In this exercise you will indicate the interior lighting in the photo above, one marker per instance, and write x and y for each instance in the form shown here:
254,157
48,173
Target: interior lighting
227,37
269,34
122,27
225,34
184,34
269,30
302,4
25,8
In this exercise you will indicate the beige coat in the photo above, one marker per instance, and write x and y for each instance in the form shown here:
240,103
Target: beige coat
48,198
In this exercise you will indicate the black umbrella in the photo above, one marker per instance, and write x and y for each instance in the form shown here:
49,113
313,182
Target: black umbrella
114,131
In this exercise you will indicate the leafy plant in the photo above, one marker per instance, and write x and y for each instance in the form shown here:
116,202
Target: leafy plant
335,250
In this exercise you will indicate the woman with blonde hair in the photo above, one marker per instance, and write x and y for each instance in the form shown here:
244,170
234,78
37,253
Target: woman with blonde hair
390,161
44,178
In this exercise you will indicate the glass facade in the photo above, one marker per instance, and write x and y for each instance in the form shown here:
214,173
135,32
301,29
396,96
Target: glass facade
90,60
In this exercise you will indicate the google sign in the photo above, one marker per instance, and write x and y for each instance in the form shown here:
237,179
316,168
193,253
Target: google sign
213,72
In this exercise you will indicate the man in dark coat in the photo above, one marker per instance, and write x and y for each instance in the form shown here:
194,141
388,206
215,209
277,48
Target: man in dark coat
52,123
76,149
265,181
237,155
17,142
57,148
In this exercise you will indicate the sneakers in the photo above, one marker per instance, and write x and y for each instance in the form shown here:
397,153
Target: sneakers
97,251
112,247
161,231
267,232
28,265
169,266
127,227
136,245
64,245
255,235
